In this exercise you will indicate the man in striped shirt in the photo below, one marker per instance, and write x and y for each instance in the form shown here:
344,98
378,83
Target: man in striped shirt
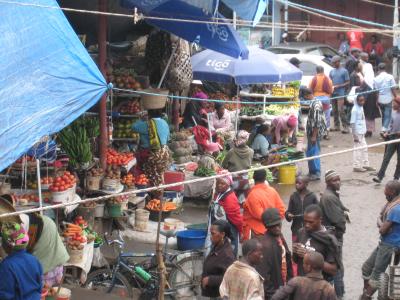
316,128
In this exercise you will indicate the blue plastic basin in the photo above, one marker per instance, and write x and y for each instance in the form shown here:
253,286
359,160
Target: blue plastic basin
191,239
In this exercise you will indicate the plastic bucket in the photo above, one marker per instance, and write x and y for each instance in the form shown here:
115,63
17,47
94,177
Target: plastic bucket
110,184
191,239
64,294
200,226
99,210
141,219
287,174
142,194
114,210
173,224
61,197
75,256
93,183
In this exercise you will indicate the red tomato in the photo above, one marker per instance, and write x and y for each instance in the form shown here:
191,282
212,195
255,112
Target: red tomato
56,189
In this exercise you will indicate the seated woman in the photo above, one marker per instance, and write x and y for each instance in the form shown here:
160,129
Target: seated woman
260,143
284,128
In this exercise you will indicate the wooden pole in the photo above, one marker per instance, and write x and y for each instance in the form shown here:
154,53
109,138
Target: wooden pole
102,41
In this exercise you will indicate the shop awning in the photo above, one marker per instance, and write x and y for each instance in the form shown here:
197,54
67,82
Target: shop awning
251,10
262,66
213,35
47,77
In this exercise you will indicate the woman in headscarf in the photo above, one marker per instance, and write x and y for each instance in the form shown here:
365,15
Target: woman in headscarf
44,243
226,206
284,128
154,153
219,259
21,272
239,158
196,111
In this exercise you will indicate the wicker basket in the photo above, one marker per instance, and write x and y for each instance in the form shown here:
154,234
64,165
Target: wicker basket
152,101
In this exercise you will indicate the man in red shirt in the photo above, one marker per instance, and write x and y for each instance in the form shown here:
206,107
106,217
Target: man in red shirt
355,38
375,50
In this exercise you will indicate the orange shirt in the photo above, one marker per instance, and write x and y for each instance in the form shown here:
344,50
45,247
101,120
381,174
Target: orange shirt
319,90
260,197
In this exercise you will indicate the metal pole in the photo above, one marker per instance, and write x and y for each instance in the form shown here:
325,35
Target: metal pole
102,41
234,20
286,16
396,39
39,185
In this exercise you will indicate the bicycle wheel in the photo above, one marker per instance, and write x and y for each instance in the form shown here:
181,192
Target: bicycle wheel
101,280
184,279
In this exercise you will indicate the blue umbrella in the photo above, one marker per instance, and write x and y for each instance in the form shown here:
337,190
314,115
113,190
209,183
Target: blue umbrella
262,66
218,37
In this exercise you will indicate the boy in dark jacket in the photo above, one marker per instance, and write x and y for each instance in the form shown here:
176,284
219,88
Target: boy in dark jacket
299,201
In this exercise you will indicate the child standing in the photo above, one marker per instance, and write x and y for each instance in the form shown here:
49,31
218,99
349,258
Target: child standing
359,128
298,202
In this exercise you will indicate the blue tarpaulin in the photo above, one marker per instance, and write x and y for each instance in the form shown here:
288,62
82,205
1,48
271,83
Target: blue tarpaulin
251,10
204,30
47,77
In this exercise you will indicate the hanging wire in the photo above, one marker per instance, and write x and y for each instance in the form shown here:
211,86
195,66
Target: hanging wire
225,21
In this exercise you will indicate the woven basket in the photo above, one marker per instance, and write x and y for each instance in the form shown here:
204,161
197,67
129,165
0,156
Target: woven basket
152,101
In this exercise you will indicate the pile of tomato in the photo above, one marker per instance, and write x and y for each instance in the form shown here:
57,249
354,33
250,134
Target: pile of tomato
63,183
141,180
119,159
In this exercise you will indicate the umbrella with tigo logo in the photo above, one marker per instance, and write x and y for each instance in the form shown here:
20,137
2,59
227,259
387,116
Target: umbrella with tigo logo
193,20
261,66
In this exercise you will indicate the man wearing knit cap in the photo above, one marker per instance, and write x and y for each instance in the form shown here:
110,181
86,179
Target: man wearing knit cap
21,273
276,266
334,215
390,149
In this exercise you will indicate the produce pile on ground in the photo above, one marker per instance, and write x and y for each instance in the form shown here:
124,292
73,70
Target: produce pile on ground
251,110
155,205
181,148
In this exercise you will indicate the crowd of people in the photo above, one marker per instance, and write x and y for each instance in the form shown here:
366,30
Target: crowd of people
268,269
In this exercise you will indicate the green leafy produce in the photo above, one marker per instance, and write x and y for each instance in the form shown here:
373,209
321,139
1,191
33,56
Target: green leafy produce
204,172
220,158
75,141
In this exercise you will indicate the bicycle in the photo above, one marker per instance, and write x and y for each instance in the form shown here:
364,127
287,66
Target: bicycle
184,270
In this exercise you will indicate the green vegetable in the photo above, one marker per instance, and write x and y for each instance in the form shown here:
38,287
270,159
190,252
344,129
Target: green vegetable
204,172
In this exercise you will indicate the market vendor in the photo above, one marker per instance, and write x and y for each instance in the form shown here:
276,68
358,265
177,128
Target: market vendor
196,111
261,143
221,118
153,156
44,243
239,158
283,128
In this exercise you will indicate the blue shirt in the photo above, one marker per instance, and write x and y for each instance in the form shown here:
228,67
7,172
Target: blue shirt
21,277
260,145
142,128
393,237
339,76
